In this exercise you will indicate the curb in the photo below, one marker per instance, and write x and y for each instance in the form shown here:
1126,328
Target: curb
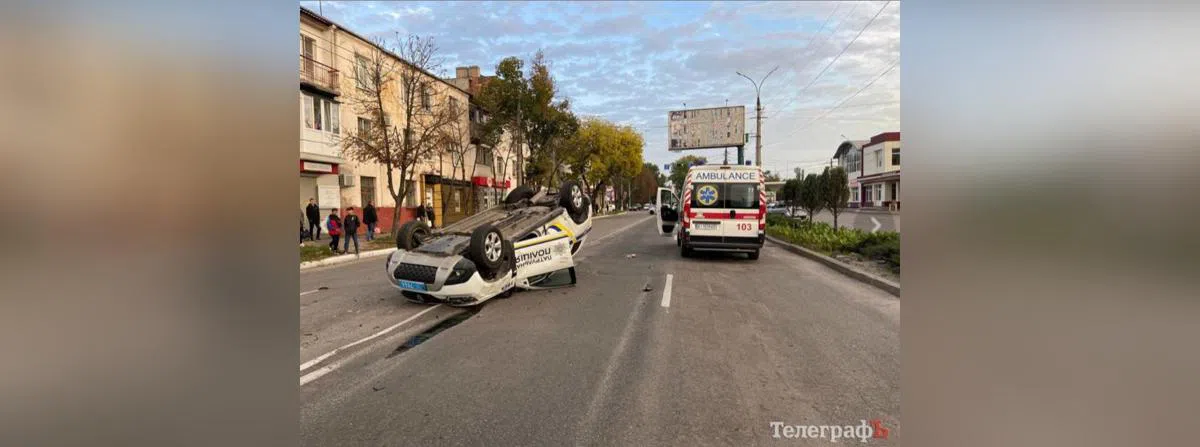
840,266
345,258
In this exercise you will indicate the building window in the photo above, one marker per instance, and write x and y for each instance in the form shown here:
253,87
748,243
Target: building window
367,189
364,126
483,156
306,48
321,114
896,157
879,158
362,73
425,99
454,106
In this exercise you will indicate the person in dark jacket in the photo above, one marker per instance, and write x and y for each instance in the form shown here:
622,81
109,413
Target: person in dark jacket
334,225
314,219
370,217
420,212
350,225
429,215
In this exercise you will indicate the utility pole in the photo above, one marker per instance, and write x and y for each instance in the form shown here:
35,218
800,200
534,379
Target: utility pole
758,114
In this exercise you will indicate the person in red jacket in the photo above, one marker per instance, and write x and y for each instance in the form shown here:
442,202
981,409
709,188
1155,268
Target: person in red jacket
334,227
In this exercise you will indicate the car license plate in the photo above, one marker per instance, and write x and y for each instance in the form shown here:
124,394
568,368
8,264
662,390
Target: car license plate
707,225
413,285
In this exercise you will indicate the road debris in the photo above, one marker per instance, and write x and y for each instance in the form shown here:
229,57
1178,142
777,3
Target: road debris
631,255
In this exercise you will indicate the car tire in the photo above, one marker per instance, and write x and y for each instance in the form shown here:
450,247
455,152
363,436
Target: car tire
411,234
487,249
522,192
753,255
572,199
685,251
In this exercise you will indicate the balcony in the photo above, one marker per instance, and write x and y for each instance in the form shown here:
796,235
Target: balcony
476,132
319,76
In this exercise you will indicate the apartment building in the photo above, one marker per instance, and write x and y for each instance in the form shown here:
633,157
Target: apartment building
879,179
321,159
329,55
849,157
496,167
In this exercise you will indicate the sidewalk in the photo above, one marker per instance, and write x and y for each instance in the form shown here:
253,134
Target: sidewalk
872,210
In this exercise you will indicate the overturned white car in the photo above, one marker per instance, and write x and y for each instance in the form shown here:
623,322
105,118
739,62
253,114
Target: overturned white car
525,242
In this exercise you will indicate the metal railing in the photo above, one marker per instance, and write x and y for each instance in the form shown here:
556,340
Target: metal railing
318,74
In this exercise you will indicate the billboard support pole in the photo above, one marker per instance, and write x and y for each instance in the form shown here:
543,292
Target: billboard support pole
741,155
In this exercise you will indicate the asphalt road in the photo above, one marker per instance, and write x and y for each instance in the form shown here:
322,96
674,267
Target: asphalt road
855,219
742,344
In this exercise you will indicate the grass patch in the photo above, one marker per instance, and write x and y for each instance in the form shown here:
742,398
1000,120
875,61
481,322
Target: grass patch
822,237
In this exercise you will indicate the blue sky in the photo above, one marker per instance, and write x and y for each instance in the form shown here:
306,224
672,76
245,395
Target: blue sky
633,62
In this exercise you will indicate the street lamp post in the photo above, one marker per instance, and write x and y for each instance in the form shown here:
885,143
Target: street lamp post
758,114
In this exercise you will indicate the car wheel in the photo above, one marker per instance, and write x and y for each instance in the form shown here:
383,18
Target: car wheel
487,249
411,234
753,255
522,192
685,251
571,198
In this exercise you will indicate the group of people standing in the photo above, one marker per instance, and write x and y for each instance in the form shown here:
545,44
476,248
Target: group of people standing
349,224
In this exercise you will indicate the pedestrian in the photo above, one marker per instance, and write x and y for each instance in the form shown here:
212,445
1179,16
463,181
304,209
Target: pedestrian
314,219
334,225
429,215
350,225
370,217
420,213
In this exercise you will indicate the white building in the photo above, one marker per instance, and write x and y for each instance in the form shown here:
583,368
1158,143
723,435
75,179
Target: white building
849,158
880,175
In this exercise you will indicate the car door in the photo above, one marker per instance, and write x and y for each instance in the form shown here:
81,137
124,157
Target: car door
742,203
667,216
549,252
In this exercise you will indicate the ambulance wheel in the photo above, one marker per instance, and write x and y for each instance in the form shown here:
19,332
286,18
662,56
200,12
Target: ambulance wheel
572,199
753,255
487,249
520,193
411,234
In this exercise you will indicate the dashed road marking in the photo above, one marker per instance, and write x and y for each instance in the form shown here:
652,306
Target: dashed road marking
666,300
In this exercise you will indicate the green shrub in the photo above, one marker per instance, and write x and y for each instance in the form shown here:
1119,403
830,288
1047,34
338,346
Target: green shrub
822,237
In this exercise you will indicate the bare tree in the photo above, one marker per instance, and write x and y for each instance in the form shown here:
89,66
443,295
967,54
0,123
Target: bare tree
381,77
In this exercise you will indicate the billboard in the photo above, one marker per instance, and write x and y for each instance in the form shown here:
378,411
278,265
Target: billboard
706,128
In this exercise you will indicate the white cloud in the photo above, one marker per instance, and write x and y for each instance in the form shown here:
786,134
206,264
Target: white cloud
634,62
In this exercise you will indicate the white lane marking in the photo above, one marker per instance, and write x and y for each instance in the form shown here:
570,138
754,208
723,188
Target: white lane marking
317,360
317,374
666,301
310,292
619,231
877,224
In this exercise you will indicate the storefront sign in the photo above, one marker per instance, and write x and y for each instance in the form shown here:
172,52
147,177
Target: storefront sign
489,182
312,166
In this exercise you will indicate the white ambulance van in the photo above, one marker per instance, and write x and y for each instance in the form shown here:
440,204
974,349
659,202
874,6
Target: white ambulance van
723,208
